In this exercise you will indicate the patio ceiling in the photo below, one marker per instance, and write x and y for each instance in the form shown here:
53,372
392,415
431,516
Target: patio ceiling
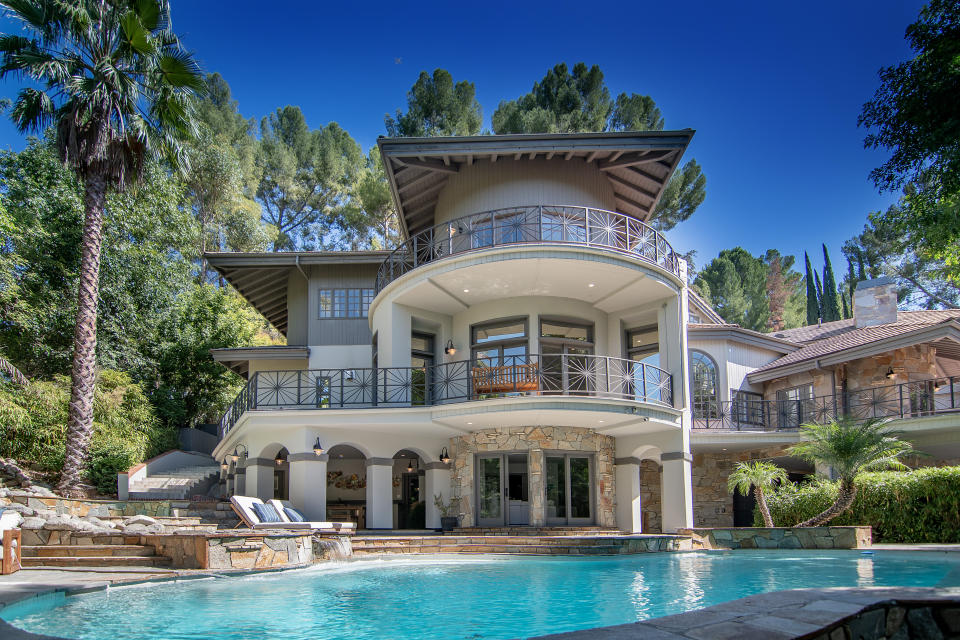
637,165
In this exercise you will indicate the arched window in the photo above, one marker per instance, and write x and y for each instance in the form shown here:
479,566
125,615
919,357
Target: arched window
704,385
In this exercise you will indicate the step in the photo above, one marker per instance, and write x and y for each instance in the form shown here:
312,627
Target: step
98,561
87,550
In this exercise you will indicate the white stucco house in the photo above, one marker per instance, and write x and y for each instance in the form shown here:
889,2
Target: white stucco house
531,351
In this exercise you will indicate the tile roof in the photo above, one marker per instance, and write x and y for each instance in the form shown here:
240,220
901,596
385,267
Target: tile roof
835,337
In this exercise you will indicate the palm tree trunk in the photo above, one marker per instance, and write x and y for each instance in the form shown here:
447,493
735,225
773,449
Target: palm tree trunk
83,372
762,505
845,497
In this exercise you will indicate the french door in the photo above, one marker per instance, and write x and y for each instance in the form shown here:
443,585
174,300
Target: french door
502,484
569,489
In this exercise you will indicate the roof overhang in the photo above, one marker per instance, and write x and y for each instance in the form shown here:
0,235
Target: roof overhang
697,302
743,336
637,164
261,278
945,333
238,360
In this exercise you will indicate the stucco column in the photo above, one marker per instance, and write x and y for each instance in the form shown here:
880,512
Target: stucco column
629,507
379,493
239,481
677,490
259,478
308,484
436,480
538,511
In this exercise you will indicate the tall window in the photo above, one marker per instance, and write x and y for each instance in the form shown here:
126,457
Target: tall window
345,303
564,346
643,345
499,343
795,405
704,385
421,362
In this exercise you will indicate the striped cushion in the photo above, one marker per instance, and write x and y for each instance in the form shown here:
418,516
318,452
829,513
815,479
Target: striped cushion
266,512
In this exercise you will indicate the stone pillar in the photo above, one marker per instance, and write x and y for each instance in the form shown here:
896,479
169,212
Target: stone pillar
308,484
677,490
538,509
259,478
239,481
629,507
436,480
379,493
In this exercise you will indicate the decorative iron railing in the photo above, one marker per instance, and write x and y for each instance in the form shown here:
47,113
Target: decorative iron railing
463,381
905,400
538,224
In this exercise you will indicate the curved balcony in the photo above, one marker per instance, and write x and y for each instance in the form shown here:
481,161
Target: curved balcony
538,224
452,382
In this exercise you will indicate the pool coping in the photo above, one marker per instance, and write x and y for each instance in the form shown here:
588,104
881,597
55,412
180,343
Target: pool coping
748,618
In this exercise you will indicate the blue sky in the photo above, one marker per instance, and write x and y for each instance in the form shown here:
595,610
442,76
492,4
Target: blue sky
772,88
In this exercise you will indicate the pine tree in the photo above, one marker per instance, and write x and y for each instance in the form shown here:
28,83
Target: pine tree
830,302
813,300
777,292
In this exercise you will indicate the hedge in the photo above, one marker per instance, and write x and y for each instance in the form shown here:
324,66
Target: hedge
912,506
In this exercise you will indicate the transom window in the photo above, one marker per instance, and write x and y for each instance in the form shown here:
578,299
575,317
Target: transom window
703,385
345,303
559,330
499,342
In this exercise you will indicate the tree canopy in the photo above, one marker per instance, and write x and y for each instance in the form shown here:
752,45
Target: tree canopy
436,106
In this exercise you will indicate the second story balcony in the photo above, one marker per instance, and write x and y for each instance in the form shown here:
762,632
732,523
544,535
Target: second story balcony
453,382
532,225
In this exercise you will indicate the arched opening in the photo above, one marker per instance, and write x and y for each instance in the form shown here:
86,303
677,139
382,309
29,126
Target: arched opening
281,475
704,386
408,490
346,485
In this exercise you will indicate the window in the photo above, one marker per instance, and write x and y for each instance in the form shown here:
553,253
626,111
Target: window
748,407
499,342
703,385
643,345
421,361
345,303
564,364
795,405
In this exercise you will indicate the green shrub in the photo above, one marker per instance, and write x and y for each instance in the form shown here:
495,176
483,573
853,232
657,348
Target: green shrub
913,506
126,430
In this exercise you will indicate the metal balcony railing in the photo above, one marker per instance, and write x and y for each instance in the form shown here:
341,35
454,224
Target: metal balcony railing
537,224
463,381
898,401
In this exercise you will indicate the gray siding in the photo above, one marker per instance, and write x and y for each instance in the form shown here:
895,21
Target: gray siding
333,331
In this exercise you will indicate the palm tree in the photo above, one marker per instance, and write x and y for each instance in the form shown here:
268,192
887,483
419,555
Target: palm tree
761,475
850,447
111,79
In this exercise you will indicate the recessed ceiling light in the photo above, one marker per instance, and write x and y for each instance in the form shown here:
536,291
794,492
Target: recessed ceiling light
591,285
469,423
599,420
724,449
466,290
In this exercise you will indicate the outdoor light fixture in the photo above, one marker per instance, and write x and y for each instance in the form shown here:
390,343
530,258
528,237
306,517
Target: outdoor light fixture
279,460
444,456
937,385
890,374
317,447
350,375
450,349
236,452
223,465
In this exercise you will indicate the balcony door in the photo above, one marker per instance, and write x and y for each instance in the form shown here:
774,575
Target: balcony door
502,484
421,363
565,348
569,489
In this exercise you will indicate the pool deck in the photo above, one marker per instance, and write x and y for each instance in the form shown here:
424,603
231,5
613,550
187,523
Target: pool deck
797,613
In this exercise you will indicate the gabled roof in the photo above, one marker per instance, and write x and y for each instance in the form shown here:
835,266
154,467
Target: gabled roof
261,278
738,334
840,341
637,164
703,307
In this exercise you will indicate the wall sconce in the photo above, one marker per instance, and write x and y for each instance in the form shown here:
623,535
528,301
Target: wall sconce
450,349
317,447
279,460
223,465
235,456
890,374
444,456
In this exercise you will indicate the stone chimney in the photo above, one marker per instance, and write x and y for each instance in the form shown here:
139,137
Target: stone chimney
875,302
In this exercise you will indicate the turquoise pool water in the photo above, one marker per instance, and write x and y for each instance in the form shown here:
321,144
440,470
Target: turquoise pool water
463,597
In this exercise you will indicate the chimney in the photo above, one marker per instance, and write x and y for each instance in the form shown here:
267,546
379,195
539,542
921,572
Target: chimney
875,302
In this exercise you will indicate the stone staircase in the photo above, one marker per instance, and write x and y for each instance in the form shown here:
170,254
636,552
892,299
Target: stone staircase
176,484
99,551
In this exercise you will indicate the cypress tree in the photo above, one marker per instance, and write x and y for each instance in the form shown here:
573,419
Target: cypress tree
846,309
816,280
813,301
831,305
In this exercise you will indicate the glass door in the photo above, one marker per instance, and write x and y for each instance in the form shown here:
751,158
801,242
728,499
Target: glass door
490,490
566,347
421,367
569,489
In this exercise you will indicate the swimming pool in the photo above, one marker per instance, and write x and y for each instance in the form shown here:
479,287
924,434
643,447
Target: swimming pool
463,597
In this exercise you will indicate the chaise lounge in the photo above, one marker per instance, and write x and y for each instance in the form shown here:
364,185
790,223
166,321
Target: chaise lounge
254,513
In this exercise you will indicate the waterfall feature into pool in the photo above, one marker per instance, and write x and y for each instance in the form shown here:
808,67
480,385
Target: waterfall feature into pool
462,597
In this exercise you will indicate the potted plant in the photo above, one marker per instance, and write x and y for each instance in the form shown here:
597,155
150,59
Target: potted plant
447,520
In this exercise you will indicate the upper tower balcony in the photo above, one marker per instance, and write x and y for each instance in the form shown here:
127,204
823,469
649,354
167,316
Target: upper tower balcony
548,197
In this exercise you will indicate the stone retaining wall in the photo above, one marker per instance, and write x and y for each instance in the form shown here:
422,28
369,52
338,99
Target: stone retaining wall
238,550
781,538
520,545
107,508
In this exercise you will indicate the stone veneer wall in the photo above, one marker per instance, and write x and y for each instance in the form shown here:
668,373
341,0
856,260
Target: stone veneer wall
917,362
535,440
780,537
712,502
238,550
651,496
